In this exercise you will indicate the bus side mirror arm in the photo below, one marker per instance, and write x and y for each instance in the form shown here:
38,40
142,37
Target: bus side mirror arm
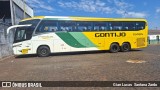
15,26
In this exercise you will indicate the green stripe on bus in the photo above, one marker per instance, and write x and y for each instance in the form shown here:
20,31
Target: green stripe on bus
82,39
69,39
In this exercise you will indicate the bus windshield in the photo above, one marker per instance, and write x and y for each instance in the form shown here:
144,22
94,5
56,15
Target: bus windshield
25,33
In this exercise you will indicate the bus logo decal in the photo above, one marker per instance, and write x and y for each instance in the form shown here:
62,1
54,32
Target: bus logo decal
122,34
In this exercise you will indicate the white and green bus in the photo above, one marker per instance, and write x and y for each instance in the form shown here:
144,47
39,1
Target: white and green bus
52,34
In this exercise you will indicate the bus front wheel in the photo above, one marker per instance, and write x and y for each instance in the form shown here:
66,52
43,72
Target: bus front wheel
125,47
114,48
43,51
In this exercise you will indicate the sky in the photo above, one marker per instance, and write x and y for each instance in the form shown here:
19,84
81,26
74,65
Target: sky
148,9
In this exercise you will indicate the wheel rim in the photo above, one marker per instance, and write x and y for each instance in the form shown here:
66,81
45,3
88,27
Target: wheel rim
43,51
126,47
115,48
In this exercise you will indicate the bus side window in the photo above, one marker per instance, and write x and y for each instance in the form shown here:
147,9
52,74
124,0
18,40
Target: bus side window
54,29
67,26
110,26
116,26
47,26
128,26
95,28
62,28
140,25
84,26
100,26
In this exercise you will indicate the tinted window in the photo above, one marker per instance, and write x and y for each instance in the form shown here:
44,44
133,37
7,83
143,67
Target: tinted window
115,25
84,26
67,26
129,26
23,33
33,22
47,26
20,34
80,26
140,25
100,26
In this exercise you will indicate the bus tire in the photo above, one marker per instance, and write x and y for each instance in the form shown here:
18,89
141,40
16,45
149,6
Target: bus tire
43,51
125,47
114,48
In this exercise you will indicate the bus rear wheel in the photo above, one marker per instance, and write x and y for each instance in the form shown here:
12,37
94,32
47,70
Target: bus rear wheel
125,47
43,51
114,48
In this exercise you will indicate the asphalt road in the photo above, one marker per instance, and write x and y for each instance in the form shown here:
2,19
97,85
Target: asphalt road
136,65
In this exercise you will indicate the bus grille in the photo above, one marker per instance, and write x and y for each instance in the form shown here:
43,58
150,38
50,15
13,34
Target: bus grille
140,42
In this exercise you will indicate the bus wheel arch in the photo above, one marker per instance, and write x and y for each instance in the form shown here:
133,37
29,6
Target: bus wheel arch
43,51
125,47
114,47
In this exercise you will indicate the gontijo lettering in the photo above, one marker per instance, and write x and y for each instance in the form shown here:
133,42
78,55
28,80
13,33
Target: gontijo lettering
121,34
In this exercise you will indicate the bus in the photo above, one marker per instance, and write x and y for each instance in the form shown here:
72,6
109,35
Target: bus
43,35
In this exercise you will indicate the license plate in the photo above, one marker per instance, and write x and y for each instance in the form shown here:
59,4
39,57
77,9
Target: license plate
24,51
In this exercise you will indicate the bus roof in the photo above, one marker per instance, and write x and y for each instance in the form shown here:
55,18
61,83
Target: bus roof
75,18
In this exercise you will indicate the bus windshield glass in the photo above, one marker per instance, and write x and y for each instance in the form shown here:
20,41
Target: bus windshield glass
25,33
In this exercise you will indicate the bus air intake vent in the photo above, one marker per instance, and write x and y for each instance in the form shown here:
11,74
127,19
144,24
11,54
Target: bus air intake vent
140,42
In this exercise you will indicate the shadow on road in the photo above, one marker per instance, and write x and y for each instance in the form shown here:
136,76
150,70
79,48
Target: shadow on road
73,53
